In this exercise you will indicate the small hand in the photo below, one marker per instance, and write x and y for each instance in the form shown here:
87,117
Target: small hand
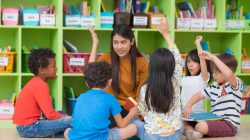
207,55
134,111
93,35
198,39
164,26
187,111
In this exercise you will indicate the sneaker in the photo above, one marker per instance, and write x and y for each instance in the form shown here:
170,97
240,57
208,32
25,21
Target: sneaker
193,135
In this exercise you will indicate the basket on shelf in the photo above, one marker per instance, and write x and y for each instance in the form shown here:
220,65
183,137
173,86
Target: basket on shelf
6,62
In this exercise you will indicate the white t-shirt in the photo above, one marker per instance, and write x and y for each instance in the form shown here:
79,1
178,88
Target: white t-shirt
190,86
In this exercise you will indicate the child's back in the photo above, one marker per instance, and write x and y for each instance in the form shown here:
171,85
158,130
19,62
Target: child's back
91,115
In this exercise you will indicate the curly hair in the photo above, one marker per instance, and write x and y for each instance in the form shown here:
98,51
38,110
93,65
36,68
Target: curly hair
39,58
97,74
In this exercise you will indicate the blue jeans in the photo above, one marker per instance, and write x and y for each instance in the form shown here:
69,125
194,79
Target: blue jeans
46,128
114,134
143,135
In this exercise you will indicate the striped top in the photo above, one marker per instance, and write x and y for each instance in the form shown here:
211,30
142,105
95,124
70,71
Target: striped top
226,101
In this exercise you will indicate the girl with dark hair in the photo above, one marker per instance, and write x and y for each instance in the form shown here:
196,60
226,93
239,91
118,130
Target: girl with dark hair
129,66
160,99
197,76
196,79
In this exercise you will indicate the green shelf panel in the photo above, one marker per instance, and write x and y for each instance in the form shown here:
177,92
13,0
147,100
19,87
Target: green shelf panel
83,41
10,37
73,74
148,42
7,124
11,86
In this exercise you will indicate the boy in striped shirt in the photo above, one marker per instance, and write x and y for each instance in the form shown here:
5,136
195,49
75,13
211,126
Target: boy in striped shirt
225,94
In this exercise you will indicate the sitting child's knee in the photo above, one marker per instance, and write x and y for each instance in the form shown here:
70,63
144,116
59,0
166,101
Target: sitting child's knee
201,127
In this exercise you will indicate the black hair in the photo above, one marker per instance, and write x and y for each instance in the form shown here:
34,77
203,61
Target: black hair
160,90
97,74
126,32
193,55
39,58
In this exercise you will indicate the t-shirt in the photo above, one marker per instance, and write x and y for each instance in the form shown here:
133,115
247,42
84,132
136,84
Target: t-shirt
190,86
91,115
226,101
125,77
33,100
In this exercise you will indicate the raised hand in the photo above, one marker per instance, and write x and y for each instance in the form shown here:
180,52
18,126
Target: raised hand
198,39
164,26
94,36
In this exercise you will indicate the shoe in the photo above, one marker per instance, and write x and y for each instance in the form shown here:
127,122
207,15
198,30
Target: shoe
193,135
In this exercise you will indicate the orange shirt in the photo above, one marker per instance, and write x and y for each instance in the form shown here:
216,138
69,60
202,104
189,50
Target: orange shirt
33,99
125,77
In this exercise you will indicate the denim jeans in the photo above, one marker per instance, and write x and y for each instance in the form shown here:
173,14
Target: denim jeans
46,128
143,135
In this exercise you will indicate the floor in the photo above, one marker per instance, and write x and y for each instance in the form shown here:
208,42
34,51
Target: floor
11,134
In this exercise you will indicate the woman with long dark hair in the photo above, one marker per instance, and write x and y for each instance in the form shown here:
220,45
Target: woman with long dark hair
129,66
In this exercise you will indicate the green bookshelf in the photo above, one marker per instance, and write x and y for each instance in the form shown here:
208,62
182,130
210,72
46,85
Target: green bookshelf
147,40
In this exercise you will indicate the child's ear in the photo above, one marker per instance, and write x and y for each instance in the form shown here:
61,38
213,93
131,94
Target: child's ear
109,82
41,71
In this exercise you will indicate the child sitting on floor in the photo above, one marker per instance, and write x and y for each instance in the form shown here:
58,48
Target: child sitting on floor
34,100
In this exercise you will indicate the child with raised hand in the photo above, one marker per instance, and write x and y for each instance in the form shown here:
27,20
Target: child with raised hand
93,108
196,79
159,102
225,94
34,100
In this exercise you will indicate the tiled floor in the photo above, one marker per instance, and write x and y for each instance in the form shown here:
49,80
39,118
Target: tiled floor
244,134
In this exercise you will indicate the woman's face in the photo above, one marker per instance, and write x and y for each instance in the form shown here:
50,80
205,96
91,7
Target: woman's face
122,45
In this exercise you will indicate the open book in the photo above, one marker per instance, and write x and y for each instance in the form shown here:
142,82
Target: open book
130,103
202,117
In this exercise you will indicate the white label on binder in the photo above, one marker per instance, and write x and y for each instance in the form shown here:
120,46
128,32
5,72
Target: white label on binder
31,17
10,17
76,61
4,61
86,21
47,19
140,20
197,23
235,24
156,20
107,19
72,20
7,110
245,64
183,23
243,105
210,24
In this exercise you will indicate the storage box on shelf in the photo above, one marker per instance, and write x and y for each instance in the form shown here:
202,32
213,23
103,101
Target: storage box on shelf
10,16
6,62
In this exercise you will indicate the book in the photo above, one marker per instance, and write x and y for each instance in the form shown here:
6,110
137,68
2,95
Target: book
130,103
69,47
205,46
145,7
103,9
202,116
69,92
